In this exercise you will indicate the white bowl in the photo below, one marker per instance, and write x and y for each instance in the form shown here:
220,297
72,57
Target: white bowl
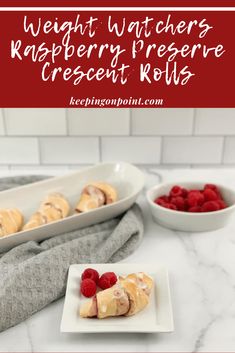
126,178
190,222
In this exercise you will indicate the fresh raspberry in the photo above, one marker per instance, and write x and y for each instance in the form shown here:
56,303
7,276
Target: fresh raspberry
195,209
195,198
221,204
184,192
176,191
171,206
210,195
92,274
214,188
160,202
211,187
165,204
210,206
107,280
164,198
88,287
179,202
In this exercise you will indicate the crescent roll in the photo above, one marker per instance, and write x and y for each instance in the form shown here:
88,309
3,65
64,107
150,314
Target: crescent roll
11,221
127,297
95,195
53,208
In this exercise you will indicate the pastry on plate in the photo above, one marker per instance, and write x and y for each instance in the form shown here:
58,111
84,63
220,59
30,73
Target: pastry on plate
127,297
11,221
53,208
95,195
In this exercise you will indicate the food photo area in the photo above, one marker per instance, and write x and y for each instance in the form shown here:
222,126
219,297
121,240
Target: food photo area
117,230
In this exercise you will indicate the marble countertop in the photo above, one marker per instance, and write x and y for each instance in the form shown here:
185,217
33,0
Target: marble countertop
202,280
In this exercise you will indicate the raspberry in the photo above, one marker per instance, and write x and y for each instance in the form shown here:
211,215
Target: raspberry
178,202
171,206
221,204
184,192
92,274
176,191
195,198
213,188
88,287
107,280
164,198
210,195
195,209
160,202
210,206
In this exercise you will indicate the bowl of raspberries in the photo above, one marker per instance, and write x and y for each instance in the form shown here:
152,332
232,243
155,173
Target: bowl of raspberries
191,206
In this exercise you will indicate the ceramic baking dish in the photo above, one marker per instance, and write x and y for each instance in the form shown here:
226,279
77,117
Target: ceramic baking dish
126,178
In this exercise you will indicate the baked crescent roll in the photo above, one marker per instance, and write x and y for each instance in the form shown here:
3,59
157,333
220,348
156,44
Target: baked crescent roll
53,208
109,302
91,197
138,287
95,195
112,302
142,280
127,297
108,190
11,221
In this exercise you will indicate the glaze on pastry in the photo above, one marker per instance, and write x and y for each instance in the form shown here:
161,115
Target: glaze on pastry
53,208
95,195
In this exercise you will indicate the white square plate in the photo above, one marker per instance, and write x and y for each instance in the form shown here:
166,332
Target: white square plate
156,317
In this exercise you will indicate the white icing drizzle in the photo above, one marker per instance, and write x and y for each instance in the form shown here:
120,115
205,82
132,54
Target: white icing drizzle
131,280
104,308
140,275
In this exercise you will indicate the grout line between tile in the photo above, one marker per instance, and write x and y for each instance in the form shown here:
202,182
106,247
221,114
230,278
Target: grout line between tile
119,136
223,151
161,165
39,150
100,149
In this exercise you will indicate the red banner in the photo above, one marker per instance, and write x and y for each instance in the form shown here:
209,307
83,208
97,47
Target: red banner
117,58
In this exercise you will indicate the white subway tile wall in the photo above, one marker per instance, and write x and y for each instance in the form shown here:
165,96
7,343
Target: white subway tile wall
229,150
66,138
215,121
18,150
139,150
69,150
35,122
162,121
201,150
99,122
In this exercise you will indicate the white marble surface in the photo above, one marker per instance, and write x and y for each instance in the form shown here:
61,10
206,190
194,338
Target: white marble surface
202,278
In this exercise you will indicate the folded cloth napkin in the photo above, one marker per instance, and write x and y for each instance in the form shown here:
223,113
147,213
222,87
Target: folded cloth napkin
32,275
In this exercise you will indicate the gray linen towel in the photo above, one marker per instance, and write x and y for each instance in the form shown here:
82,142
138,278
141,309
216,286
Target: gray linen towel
33,275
